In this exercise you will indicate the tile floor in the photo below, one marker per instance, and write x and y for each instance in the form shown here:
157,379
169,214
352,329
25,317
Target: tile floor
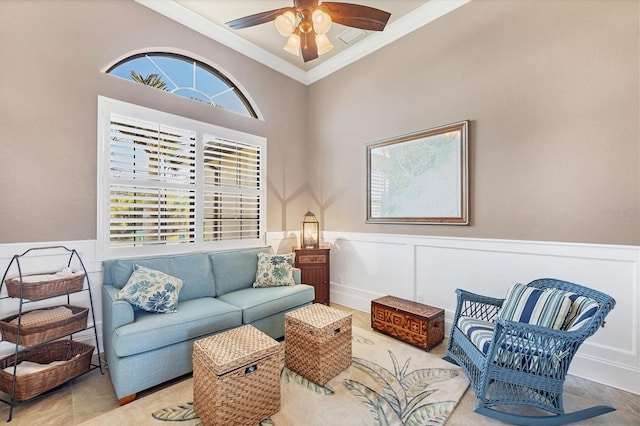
90,395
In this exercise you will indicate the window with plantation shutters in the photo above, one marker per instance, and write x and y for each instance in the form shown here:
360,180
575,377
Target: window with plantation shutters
231,190
172,184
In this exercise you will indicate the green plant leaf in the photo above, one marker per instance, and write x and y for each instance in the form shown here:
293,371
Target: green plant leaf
396,368
405,367
382,411
292,376
392,389
361,339
430,414
417,380
417,399
176,413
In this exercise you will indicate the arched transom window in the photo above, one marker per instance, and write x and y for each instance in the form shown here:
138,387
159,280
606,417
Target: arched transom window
184,76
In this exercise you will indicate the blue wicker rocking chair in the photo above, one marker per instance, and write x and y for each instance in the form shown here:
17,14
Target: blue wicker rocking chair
512,361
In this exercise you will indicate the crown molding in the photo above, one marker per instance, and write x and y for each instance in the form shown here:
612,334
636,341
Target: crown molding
420,17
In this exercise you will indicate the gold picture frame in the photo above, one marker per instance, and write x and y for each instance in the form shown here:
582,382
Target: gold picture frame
420,178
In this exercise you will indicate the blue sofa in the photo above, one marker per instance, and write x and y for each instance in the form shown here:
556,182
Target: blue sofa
144,349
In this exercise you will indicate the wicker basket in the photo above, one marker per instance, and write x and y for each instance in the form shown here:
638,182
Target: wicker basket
236,377
50,327
77,355
317,342
44,289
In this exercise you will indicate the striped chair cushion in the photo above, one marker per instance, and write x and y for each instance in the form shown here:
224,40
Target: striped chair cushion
582,309
479,332
517,353
546,308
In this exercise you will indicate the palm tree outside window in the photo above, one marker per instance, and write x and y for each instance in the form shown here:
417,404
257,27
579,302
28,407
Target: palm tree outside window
184,76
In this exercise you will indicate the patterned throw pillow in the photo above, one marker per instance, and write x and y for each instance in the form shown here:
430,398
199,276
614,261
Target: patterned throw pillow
151,290
582,309
546,308
274,270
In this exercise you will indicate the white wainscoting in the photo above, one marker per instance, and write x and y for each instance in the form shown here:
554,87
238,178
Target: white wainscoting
429,269
39,261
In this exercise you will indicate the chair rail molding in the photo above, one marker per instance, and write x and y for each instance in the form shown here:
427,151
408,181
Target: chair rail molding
426,269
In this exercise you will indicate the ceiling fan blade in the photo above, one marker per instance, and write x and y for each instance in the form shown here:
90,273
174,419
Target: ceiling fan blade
258,18
357,16
308,46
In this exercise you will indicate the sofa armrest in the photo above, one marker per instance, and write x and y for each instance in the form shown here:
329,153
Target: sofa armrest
297,275
115,313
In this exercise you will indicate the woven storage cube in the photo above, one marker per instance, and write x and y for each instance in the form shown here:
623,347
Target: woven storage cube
236,377
48,324
317,342
37,290
77,357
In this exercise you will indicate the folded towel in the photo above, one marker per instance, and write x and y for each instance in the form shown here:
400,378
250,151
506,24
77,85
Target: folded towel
66,272
29,367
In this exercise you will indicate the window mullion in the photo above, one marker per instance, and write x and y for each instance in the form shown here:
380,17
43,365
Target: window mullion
199,184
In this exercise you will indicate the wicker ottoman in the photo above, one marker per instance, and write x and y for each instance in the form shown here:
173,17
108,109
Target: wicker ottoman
236,377
317,342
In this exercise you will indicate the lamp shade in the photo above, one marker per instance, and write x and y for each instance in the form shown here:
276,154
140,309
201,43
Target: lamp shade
323,44
321,21
310,232
286,23
293,44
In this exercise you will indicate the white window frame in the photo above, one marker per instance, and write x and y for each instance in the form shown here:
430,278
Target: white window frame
203,131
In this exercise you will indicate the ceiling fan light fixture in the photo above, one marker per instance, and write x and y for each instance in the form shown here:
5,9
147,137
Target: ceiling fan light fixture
293,44
323,43
308,22
321,21
286,23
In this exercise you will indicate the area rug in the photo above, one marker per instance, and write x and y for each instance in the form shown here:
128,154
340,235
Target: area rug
388,383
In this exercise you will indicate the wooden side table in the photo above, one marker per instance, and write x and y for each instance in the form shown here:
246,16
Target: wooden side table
315,270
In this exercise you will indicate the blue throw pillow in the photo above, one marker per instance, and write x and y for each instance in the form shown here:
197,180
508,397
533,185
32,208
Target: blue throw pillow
151,290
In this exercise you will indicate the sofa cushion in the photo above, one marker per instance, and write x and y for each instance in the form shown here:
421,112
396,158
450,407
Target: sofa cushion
151,290
193,269
235,270
274,270
257,303
194,318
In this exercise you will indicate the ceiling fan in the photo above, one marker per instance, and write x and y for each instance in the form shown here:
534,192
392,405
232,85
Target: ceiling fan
308,21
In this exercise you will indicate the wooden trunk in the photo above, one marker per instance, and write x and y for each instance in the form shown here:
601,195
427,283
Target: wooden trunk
412,322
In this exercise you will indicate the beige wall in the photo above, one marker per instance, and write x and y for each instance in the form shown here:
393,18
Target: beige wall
552,92
551,89
51,58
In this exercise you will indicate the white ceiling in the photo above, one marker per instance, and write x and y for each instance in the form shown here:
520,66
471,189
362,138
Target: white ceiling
264,44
